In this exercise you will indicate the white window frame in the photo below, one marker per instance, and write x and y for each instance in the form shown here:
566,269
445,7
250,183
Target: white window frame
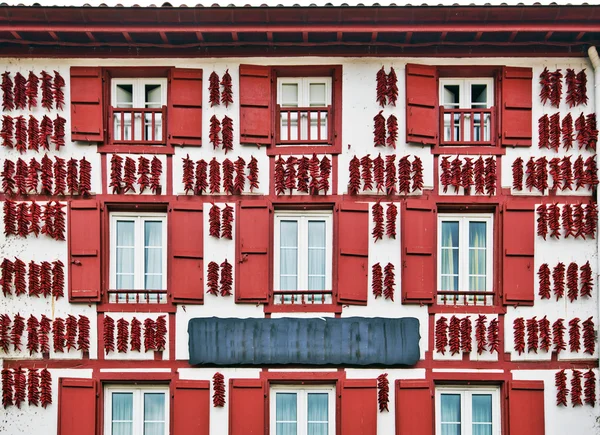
138,406
304,89
463,247
303,217
138,90
466,413
465,90
139,219
302,406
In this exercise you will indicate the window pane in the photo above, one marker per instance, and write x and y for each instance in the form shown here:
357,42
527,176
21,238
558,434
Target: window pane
318,407
124,97
153,96
317,94
285,413
122,413
449,283
288,255
477,235
482,408
153,233
122,428
477,283
154,429
154,407
450,261
450,404
316,255
451,96
450,234
289,94
125,233
450,429
479,95
125,261
317,428
125,282
286,429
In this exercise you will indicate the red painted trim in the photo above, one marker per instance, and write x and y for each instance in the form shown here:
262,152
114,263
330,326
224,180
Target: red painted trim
136,149
169,175
468,150
104,177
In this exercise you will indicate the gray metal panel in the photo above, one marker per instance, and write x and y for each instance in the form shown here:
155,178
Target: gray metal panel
351,341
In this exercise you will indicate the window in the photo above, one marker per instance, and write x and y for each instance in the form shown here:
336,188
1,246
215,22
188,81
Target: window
136,411
467,110
467,411
304,106
465,258
138,109
138,258
303,257
302,411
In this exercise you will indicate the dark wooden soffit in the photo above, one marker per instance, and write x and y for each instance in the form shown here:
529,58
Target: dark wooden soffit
279,31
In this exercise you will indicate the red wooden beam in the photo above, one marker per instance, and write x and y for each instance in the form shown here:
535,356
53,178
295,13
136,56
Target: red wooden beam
163,37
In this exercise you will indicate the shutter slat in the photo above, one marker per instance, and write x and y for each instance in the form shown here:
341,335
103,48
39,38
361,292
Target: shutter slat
359,407
253,260
191,408
414,407
255,105
246,407
421,104
77,407
87,104
184,116
419,226
526,408
84,244
518,239
186,277
516,109
353,260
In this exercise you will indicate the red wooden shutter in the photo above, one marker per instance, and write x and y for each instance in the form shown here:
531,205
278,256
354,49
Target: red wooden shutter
246,407
87,108
191,408
76,406
186,274
255,105
516,106
419,229
421,104
518,239
353,259
359,407
184,116
84,251
526,408
414,407
254,262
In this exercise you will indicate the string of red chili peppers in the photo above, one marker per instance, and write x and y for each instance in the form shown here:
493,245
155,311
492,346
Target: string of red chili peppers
481,174
22,219
124,175
220,278
24,92
577,220
33,387
196,179
552,132
363,171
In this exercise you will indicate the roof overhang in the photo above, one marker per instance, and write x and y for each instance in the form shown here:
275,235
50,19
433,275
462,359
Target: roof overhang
251,31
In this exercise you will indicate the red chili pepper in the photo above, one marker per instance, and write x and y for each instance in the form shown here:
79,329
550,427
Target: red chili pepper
383,387
589,388
215,129
45,388
279,176
591,220
545,334
578,221
32,90
8,98
47,94
46,132
480,333
354,176
33,344
466,330
239,183
83,333
315,174
587,281
517,171
188,174
519,335
33,387
560,381
445,173
116,173
143,172
46,279
379,132
20,272
227,133
228,170
20,385
574,335
8,177
576,387
5,322
33,134
382,87
60,176
554,130
546,86
58,334
441,335
377,212
531,176
71,332
226,281
389,281
72,176
572,89
214,91
7,388
390,216
392,131
155,173
109,334
582,132
567,132
57,90
290,173
556,173
417,168
136,334
379,173
10,217
149,335
218,390
214,177
253,173
227,94
592,131
456,174
390,175
556,89
302,175
454,335
122,335
20,91
558,276
541,174
214,221
366,167
59,132
377,280
59,221
392,87
17,331
212,278
544,132
129,177
325,173
58,279
553,214
8,127
20,134
532,335
44,334
589,336
542,221
572,281
23,219
85,177
479,177
201,184
544,281
227,222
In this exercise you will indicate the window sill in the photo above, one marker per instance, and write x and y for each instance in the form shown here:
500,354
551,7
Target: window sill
303,308
306,150
136,149
467,309
468,150
106,307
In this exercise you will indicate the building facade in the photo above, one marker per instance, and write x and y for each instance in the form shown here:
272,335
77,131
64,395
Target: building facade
299,220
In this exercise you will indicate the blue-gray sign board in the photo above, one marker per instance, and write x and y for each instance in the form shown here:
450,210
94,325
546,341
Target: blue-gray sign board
351,341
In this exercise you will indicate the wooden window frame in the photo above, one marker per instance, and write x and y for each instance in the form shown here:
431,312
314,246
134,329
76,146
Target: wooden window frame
333,71
467,392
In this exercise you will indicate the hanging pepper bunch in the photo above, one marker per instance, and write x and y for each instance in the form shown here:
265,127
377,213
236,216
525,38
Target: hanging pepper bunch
560,382
519,335
227,133
122,335
10,217
455,174
33,387
201,184
574,335
20,386
377,280
227,93
57,91
71,332
58,279
354,176
591,171
218,390
149,335
554,132
366,172
589,336
32,90
441,335
545,335
591,220
72,176
325,173
392,129
571,80
46,279
129,177
592,132
227,222
8,269
215,129
446,173
44,334
226,278
155,173
7,131
582,132
389,281
417,168
8,98
109,334
290,173
582,97
544,132
558,277
553,214
490,176
34,279
466,329
19,273
253,172
214,176
532,334
35,213
541,174
279,176
136,335
45,388
567,132
18,328
544,281
556,89
379,173
47,94
214,221
8,383
83,334
20,134
517,171
58,334
589,388
391,214
383,388
214,90
33,134
302,175
377,212
480,333
22,219
379,133
116,173
576,387
8,177
555,173
578,221
546,86
188,174
479,176
390,174
212,278
404,172
161,333
542,221
392,87
60,176
239,182
5,322
454,335
143,170
572,281
59,132
531,177
46,132
228,170
20,91
586,279
382,87
85,177
59,221
33,344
